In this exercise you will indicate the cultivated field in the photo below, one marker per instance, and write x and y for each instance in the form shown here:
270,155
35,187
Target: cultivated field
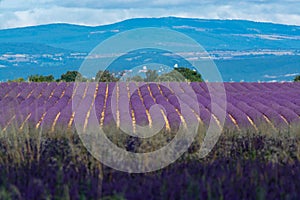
256,156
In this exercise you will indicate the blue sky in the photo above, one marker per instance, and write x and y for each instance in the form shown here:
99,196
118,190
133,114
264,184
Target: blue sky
19,13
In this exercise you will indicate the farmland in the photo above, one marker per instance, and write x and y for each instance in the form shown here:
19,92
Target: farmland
52,105
256,156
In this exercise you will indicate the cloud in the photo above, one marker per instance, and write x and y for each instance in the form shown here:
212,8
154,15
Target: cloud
16,13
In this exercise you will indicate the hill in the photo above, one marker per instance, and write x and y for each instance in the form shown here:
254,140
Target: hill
243,50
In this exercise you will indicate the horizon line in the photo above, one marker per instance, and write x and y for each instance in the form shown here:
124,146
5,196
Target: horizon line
163,17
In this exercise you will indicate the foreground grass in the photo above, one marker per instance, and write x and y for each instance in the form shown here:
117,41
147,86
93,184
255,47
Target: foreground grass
243,165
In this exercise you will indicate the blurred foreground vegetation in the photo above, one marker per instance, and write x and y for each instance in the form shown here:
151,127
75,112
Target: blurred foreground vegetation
35,165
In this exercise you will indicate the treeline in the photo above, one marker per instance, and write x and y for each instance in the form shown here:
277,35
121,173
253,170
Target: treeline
178,74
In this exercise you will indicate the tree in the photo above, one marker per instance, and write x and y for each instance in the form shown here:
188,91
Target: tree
135,79
105,76
151,75
18,80
172,76
41,78
189,74
297,78
71,76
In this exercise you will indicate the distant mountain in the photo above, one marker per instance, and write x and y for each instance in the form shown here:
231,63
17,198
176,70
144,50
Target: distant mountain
212,34
30,48
243,50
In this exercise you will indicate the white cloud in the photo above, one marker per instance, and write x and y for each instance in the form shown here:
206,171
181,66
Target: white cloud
269,76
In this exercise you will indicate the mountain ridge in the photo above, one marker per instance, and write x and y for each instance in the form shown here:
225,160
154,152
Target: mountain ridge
226,40
211,34
154,18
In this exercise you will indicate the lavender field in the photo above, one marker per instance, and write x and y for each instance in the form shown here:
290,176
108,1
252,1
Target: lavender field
256,157
53,106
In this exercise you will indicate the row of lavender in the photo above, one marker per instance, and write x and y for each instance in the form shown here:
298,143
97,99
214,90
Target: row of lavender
58,105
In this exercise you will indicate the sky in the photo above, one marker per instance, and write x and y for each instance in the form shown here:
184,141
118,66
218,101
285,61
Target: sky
21,13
